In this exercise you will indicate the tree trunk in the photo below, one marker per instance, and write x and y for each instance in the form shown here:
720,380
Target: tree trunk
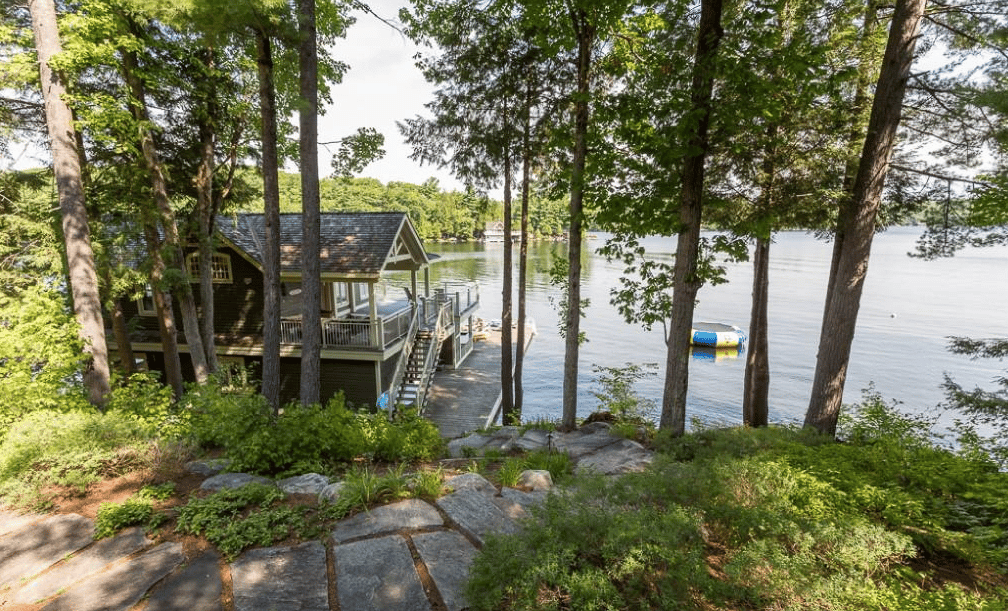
585,33
127,360
207,212
151,159
756,389
271,231
519,391
507,365
755,398
165,312
310,224
840,319
855,140
686,282
76,234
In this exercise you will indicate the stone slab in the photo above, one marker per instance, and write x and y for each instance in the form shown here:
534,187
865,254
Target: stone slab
623,456
123,585
197,587
476,514
281,579
223,481
535,439
579,444
409,514
472,443
38,545
331,493
82,565
378,575
12,520
525,499
448,557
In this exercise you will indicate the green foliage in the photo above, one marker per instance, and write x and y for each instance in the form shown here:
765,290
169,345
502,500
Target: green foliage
618,397
305,438
71,449
237,519
983,430
409,437
587,551
426,483
764,518
136,510
363,488
559,464
559,278
149,402
41,355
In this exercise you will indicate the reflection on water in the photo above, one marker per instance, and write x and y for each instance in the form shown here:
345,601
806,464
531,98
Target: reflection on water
908,309
706,353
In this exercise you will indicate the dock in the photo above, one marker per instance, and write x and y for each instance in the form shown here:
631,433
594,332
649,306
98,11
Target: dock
462,401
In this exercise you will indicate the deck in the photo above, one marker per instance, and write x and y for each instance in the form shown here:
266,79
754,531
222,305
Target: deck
462,400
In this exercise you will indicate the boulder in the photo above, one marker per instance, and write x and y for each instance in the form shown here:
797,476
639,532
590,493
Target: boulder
309,483
227,481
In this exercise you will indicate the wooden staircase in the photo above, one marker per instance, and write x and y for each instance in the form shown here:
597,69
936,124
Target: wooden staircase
424,354
417,376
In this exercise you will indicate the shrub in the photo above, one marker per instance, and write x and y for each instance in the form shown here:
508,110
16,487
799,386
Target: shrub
143,398
772,518
41,356
305,438
363,488
586,551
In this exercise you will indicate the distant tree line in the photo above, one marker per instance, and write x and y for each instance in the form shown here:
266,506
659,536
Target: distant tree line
438,214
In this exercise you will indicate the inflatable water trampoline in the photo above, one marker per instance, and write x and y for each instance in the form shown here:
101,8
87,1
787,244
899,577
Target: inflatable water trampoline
717,335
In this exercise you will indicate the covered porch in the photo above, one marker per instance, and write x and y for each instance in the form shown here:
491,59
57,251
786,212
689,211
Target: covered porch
373,316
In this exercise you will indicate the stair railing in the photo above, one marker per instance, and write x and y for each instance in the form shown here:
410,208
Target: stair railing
433,349
400,370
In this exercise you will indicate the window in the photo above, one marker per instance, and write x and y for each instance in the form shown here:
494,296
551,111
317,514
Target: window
360,293
145,304
220,268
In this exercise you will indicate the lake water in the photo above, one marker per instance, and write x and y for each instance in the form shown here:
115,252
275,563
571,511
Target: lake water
908,309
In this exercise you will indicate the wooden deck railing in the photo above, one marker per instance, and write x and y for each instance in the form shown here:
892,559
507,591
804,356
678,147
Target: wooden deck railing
352,332
357,333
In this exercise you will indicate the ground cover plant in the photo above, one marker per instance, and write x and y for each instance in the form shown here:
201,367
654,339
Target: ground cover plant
773,518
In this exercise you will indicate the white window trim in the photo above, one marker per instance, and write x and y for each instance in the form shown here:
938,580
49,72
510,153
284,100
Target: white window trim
142,308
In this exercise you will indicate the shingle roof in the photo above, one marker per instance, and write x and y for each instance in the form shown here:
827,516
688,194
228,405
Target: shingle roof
351,244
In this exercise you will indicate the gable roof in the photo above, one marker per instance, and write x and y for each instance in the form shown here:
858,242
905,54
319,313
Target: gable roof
352,245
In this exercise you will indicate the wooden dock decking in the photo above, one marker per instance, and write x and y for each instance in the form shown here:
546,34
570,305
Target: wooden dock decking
460,401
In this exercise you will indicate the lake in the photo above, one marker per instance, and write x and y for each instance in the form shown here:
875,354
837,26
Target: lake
908,309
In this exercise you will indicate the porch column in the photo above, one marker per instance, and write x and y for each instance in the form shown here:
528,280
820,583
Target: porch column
413,286
373,315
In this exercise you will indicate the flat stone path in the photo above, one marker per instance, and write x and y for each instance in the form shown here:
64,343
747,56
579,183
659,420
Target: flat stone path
411,555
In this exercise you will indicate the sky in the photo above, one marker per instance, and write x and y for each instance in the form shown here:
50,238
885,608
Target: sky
382,86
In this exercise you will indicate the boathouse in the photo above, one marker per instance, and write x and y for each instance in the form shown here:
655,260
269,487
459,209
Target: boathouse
385,329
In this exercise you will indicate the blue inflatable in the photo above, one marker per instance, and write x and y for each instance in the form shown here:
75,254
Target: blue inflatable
717,335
